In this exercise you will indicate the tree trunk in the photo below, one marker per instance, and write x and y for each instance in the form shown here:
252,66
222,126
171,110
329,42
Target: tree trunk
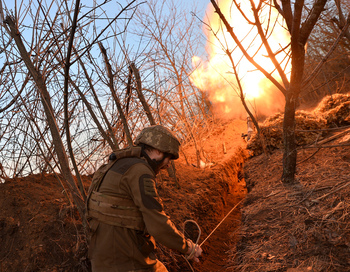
46,101
292,94
290,153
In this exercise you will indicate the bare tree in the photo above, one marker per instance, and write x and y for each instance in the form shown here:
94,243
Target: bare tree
46,101
327,47
45,58
299,20
326,56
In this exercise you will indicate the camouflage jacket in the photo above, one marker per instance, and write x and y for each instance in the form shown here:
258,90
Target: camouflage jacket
128,192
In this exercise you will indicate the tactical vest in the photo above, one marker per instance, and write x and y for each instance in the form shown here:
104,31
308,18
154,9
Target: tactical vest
120,210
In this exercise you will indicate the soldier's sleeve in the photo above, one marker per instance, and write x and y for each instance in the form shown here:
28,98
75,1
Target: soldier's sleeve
143,186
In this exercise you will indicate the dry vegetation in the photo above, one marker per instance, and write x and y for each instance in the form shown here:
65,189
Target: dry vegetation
305,227
311,127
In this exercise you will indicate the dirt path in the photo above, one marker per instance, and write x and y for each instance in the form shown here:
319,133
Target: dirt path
216,247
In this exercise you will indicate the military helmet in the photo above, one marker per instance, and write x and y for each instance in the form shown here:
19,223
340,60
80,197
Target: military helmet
160,138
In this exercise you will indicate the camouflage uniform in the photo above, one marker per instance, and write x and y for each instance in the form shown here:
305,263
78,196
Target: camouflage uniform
126,215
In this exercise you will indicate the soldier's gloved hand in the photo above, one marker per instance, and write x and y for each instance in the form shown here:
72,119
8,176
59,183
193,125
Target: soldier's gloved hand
194,251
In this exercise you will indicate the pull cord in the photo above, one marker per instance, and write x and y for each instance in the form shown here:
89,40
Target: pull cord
200,232
195,244
221,221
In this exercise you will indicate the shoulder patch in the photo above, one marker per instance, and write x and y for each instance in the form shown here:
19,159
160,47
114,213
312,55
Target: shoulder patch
149,194
150,187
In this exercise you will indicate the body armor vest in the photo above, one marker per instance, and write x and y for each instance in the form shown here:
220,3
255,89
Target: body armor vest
113,210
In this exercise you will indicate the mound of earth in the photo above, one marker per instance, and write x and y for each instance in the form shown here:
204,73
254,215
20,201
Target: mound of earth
310,127
308,130
39,229
335,109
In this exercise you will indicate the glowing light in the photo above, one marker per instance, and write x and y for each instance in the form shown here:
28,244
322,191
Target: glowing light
216,76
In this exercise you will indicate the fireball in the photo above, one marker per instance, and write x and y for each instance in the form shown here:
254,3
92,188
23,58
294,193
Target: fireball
216,76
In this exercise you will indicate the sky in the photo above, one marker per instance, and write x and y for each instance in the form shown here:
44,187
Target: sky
186,4
111,8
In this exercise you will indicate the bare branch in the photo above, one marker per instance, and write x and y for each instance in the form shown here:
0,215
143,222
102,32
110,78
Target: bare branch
14,99
309,24
46,101
342,21
113,92
243,50
287,14
267,46
65,95
140,94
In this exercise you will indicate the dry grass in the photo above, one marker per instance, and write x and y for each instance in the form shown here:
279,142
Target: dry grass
304,227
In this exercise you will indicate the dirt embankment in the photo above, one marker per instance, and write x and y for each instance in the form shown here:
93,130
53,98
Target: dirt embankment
304,227
39,230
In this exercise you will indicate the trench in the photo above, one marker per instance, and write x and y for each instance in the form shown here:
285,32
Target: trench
219,248
221,189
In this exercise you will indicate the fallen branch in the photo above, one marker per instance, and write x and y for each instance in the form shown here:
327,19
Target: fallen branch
333,137
324,146
332,192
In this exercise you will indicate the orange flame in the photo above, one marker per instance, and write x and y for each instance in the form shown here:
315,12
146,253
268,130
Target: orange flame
216,75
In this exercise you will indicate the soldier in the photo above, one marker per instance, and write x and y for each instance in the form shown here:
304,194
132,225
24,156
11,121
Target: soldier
250,128
125,212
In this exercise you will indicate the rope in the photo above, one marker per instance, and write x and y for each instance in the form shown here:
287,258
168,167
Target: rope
221,222
195,244
187,262
200,232
197,240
